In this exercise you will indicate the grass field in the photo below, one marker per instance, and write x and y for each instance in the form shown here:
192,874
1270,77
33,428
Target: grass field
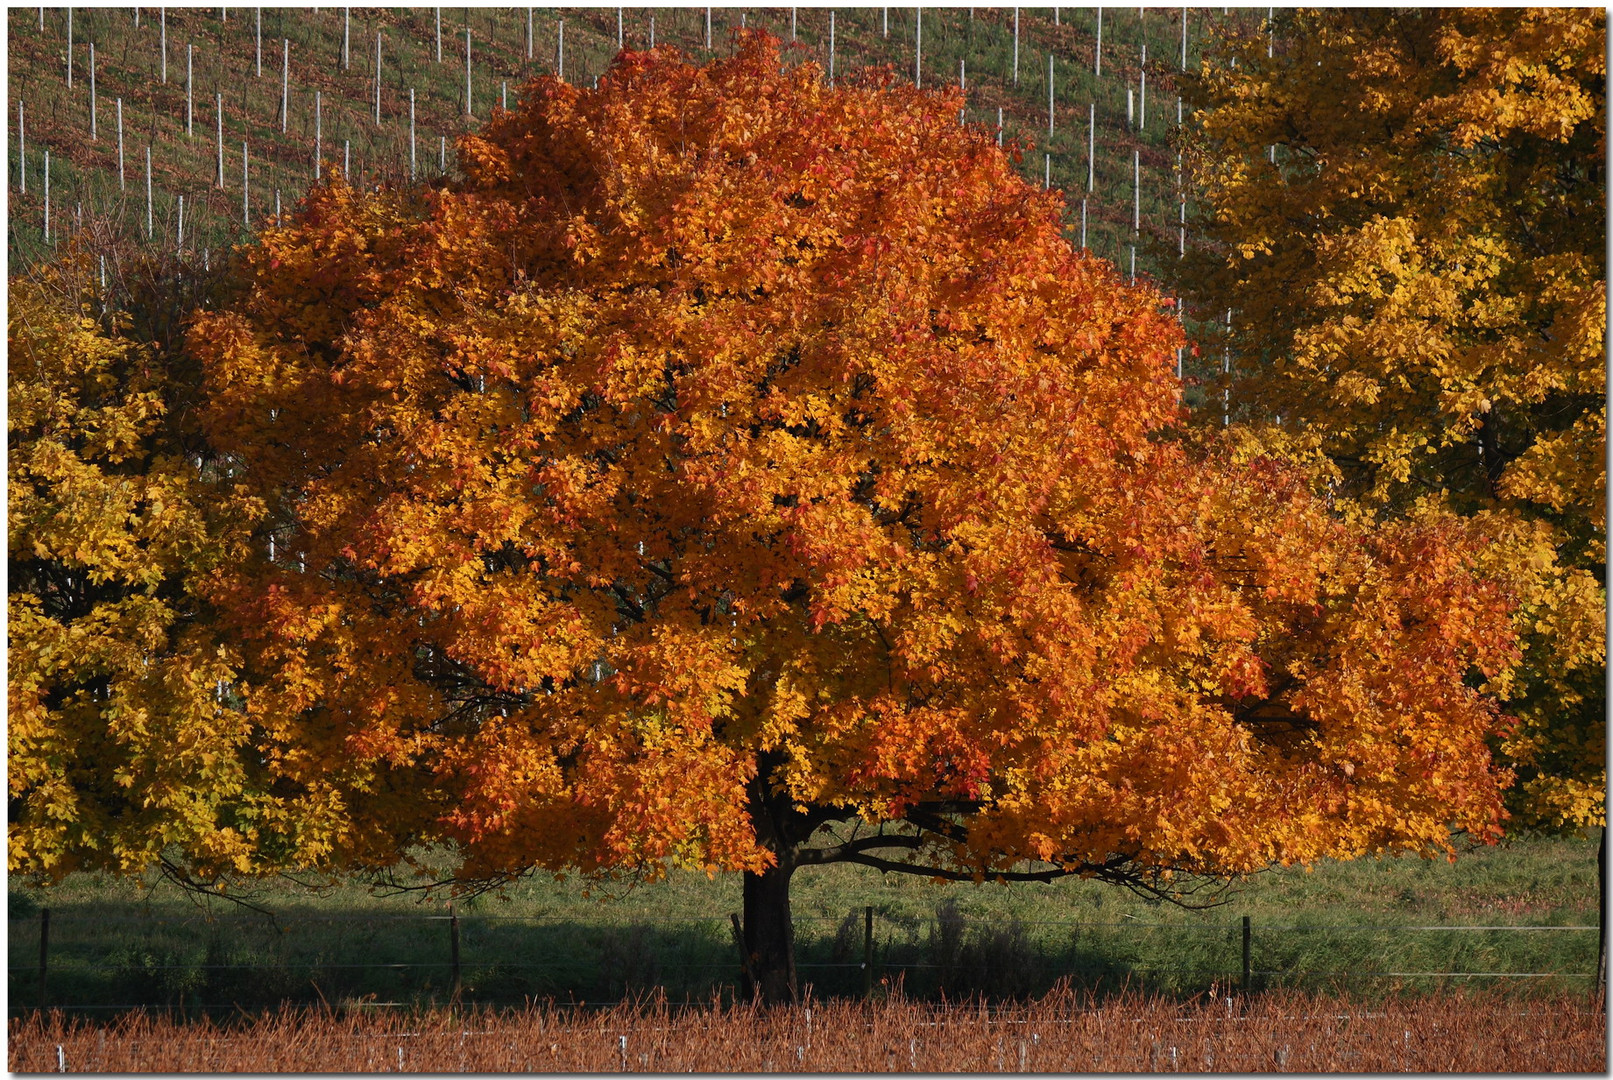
1063,1032
1358,927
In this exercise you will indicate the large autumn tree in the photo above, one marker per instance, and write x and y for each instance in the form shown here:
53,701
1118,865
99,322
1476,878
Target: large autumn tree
1405,212
737,472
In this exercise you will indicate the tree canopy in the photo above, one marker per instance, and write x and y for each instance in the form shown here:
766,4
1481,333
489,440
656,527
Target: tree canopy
1405,212
730,458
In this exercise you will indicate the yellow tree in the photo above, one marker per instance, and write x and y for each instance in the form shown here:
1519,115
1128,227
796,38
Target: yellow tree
737,472
127,750
1404,212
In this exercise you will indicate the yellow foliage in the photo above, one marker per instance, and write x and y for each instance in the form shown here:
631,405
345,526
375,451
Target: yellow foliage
1418,282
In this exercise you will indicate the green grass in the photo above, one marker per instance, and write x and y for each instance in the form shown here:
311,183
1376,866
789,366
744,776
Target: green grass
1340,925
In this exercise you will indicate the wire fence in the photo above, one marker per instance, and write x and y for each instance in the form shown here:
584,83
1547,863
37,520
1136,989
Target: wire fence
101,963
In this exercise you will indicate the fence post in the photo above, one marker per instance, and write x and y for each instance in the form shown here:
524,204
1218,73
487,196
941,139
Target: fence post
1246,954
868,951
453,949
44,952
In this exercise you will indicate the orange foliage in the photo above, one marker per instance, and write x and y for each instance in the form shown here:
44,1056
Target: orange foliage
727,445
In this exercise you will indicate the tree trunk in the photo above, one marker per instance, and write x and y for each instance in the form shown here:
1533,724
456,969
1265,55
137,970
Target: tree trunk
770,933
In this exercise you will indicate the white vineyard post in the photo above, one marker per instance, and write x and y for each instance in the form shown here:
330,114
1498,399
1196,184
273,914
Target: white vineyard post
69,48
1055,16
885,13
618,29
652,31
218,109
42,19
1184,39
792,23
189,49
277,204
47,195
708,28
162,18
999,125
467,72
1181,191
1097,48
149,231
1131,108
1271,34
319,131
831,46
1050,93
257,41
1142,91
918,47
1047,171
378,78
347,160
22,150
1016,46
1226,372
1136,191
1092,144
285,83
442,155
560,50
439,35
529,34
1136,208
246,204
411,134
1083,223
962,89
179,233
93,134
504,95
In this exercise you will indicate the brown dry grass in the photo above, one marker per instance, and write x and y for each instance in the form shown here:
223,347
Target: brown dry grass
1063,1032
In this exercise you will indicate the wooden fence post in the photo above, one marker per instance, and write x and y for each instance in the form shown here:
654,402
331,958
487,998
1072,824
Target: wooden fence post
868,951
1246,971
44,952
453,944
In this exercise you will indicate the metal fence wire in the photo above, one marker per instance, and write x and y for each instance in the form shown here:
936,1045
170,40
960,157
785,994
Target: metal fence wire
87,961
